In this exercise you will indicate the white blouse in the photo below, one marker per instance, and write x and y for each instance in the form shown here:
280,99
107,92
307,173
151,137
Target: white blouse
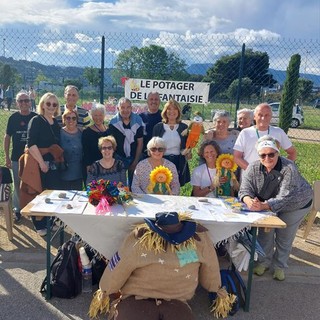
172,139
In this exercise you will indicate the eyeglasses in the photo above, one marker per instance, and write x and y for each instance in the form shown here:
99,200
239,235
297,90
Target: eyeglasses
71,118
24,100
49,104
157,149
107,148
269,155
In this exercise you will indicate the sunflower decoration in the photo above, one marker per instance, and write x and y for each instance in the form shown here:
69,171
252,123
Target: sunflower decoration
104,193
160,179
226,167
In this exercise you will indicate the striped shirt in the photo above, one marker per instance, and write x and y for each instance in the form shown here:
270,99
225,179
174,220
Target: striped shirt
83,116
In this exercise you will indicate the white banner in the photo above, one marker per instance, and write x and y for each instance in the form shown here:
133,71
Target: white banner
181,91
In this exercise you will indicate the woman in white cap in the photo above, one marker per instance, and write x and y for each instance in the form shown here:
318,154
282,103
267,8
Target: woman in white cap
274,183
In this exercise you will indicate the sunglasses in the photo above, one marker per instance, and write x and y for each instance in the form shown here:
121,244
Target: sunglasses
49,104
24,100
107,148
157,149
71,118
269,155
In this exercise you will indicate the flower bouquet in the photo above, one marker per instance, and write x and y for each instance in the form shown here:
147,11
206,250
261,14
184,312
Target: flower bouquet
104,193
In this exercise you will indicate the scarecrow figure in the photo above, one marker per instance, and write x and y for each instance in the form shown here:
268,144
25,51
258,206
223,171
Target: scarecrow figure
194,131
157,270
226,168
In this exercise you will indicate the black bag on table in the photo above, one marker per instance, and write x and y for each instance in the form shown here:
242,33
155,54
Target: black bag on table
66,276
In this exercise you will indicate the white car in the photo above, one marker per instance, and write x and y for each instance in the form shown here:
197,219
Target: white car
297,115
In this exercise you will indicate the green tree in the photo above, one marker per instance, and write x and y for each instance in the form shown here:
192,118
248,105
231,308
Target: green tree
152,62
7,76
304,89
129,62
226,70
246,88
92,75
40,77
290,92
74,82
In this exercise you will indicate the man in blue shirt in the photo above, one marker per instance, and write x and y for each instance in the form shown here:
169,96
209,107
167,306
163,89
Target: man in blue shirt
151,117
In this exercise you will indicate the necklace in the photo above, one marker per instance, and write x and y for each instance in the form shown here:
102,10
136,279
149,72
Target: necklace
209,175
104,128
258,135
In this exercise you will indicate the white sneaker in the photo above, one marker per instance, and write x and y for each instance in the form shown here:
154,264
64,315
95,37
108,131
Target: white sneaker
56,226
42,232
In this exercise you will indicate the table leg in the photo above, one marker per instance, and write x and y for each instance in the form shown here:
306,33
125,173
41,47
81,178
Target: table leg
61,230
250,270
48,295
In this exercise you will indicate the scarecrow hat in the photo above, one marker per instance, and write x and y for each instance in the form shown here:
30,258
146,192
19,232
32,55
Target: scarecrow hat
170,228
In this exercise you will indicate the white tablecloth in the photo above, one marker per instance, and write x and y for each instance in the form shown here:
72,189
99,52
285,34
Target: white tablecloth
106,232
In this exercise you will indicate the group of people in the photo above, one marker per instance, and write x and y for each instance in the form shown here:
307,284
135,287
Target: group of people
65,147
7,97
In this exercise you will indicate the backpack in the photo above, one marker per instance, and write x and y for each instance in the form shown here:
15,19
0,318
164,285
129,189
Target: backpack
233,282
5,184
66,277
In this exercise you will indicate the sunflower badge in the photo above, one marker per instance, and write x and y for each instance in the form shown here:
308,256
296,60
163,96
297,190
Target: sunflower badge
160,179
226,167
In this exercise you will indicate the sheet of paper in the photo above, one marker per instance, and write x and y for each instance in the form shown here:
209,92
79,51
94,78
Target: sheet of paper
71,207
57,195
42,206
81,196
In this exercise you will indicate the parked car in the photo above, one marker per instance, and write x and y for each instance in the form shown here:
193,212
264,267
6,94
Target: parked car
297,115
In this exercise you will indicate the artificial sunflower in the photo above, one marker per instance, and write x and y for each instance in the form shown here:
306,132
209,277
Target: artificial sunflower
226,161
160,179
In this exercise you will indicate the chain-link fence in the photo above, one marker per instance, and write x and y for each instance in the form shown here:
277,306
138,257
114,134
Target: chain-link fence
242,71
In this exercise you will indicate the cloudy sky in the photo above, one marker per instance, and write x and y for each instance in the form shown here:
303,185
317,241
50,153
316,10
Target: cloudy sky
289,19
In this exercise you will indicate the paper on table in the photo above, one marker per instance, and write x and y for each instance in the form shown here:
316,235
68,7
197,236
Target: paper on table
71,207
208,209
37,199
54,195
81,196
42,206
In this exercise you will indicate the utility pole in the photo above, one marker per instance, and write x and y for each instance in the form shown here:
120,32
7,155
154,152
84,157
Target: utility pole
4,47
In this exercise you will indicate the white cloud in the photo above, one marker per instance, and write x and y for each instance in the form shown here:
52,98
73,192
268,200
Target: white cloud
287,17
209,46
198,31
84,38
61,47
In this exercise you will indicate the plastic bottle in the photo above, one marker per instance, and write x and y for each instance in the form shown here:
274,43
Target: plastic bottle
86,271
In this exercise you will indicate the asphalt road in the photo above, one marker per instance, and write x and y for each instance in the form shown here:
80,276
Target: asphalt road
22,269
